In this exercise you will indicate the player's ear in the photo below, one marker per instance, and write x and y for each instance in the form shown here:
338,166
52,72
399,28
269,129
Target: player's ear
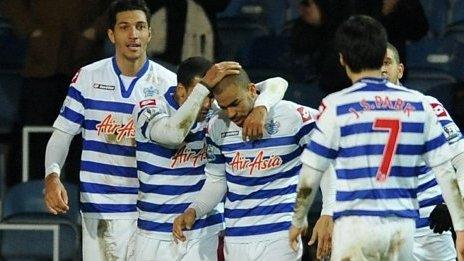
400,71
252,88
149,33
110,35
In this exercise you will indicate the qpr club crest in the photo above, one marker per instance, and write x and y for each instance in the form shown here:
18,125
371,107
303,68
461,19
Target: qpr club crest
272,127
149,91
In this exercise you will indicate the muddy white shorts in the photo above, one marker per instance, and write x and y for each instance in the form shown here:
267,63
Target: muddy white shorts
373,238
147,248
277,249
434,246
106,239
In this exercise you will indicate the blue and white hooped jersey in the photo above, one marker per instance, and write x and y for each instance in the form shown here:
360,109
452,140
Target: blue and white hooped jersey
170,178
376,134
429,193
101,108
261,175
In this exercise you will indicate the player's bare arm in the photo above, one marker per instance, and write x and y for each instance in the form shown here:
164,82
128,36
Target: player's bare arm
271,91
307,187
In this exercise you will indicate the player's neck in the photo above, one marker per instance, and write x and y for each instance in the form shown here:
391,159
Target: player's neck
363,74
130,67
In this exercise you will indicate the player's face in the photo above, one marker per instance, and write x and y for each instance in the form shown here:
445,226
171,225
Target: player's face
130,35
182,93
391,69
237,102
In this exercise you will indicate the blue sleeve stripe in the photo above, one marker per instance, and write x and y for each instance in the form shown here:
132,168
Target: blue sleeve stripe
422,222
107,148
218,159
167,227
107,208
445,122
109,106
427,185
257,229
163,208
434,143
211,142
322,150
358,128
262,194
73,116
395,171
407,213
375,194
76,95
259,211
262,143
254,181
108,169
171,190
377,149
154,170
437,200
305,130
106,189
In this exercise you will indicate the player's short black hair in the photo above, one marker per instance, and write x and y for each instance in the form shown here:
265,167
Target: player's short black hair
396,55
362,41
126,5
192,67
241,80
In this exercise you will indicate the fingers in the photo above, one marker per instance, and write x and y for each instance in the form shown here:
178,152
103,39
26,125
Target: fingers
313,237
55,202
294,244
177,228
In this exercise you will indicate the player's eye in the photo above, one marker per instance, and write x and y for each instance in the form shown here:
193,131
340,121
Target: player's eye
141,27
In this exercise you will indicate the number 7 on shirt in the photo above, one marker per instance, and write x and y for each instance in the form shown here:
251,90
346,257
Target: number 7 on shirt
393,126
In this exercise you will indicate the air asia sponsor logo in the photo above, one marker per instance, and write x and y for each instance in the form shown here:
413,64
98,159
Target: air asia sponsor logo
104,86
145,103
185,154
439,110
109,127
240,163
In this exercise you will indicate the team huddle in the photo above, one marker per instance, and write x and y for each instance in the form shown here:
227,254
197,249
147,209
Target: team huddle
171,163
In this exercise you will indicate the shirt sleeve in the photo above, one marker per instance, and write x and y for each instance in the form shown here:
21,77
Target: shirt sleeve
271,92
322,148
436,150
308,122
71,117
450,129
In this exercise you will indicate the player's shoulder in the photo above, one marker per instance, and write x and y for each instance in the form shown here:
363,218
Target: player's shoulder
218,123
293,112
164,73
96,66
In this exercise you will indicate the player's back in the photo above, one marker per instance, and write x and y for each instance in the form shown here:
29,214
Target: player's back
383,135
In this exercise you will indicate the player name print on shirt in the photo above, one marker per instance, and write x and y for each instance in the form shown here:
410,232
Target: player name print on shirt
185,154
240,163
383,103
116,132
